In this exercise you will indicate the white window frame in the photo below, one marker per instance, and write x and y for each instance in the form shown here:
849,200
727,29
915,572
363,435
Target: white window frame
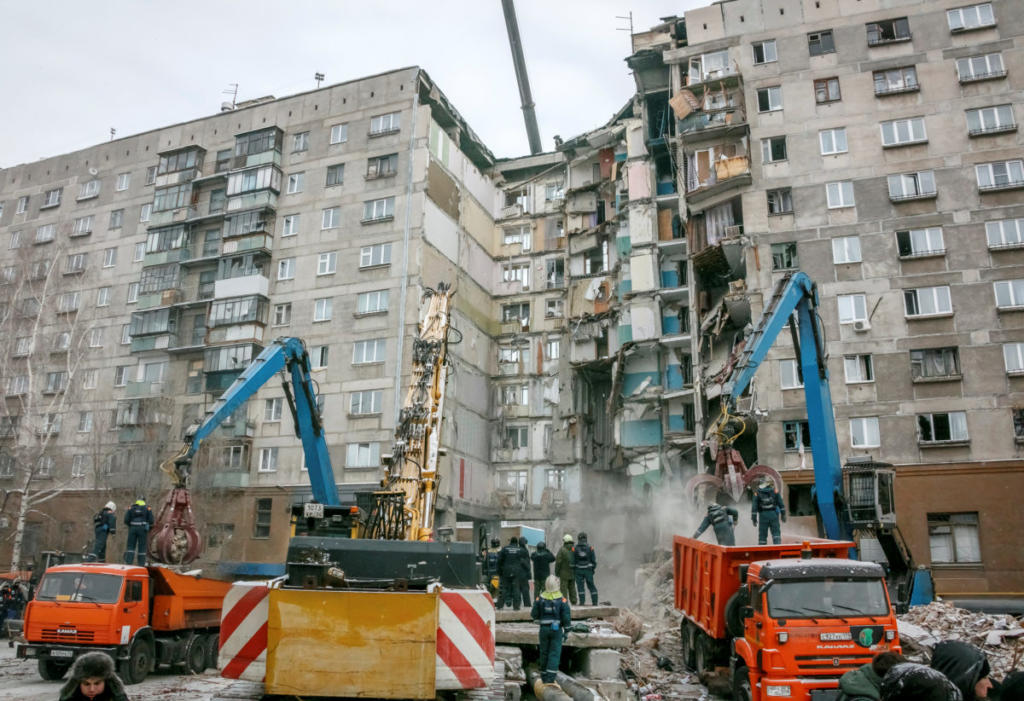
839,194
319,356
145,213
339,133
286,269
126,335
833,137
22,205
95,338
767,150
124,180
916,132
858,369
385,123
330,218
322,309
1012,291
938,297
133,293
116,219
79,463
922,242
987,171
852,308
85,421
1005,233
765,44
963,19
773,105
282,314
909,186
953,538
789,374
367,402
273,409
373,302
268,459
121,374
295,183
110,257
290,225
327,263
82,226
999,117
378,209
553,348
367,254
965,67
300,142
1013,358
867,428
361,351
958,431
362,455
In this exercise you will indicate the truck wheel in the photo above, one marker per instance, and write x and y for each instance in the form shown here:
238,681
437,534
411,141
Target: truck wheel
212,650
734,613
137,666
704,653
195,655
741,685
686,631
52,671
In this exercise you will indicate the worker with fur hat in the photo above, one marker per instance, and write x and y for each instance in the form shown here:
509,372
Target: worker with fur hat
104,525
92,678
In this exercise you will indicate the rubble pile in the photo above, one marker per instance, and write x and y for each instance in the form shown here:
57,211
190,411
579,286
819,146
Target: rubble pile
656,600
652,669
1000,637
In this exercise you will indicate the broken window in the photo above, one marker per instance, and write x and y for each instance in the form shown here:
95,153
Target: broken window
858,369
796,434
765,52
554,191
517,272
887,31
513,481
933,363
553,349
784,256
710,65
519,311
508,355
769,99
555,274
517,437
515,395
819,43
936,428
517,235
773,149
896,80
554,309
554,478
920,242
780,201
596,260
929,300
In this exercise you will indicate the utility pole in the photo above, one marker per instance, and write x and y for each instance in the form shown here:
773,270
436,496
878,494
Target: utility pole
525,97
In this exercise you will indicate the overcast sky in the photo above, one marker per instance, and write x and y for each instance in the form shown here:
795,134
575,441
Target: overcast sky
73,70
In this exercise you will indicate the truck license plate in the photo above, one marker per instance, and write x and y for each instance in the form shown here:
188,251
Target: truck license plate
310,510
61,653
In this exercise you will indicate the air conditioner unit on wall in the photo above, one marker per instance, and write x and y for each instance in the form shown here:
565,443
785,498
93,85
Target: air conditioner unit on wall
862,326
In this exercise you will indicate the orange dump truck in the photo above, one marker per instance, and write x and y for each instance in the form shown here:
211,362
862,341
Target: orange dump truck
787,619
141,616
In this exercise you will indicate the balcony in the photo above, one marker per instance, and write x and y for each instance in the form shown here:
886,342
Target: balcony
988,131
1001,186
199,254
244,286
719,123
885,90
219,380
164,298
237,429
230,479
176,178
979,77
251,242
272,157
252,200
236,333
155,342
144,389
727,173
171,216
930,195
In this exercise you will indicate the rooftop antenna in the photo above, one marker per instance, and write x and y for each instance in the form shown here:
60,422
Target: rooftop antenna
627,18
318,76
112,132
233,92
519,62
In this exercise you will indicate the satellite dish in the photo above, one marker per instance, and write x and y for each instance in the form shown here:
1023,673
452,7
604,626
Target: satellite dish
93,171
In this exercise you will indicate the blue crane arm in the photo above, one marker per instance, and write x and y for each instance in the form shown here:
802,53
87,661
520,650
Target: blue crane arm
797,293
283,354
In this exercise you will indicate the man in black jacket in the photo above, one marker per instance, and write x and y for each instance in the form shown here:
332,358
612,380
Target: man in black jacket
542,560
524,575
139,519
509,571
964,665
104,524
584,562
723,519
766,508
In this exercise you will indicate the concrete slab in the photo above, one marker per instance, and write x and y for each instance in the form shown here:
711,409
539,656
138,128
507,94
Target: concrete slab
527,634
601,663
610,689
579,613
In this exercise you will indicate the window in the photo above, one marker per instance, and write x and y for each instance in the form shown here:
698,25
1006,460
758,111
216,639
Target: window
89,190
554,309
1000,174
780,201
39,270
516,272
44,466
116,219
942,428
517,437
295,182
8,274
318,356
52,198
710,65
22,346
362,455
515,395
789,373
123,181
920,242
82,226
174,197
372,302
900,132
797,435
858,368
826,90
896,80
331,218
927,301
286,269
371,256
335,174
322,309
264,512
833,141
15,240
852,308
765,52
268,460
385,123
981,67
79,464
372,351
327,263
511,355
55,382
291,225
1018,425
133,292
16,385
89,379
784,256
96,338
819,43
773,149
300,141
339,133
888,31
912,186
1013,357
990,120
839,194
126,334
22,205
846,249
121,375
145,213
769,99
864,432
1005,233
45,233
553,349
513,481
953,538
272,409
381,166
520,311
366,402
935,363
554,191
282,314
68,302
84,421
1009,294
62,341
109,257
374,210
74,263
971,17
150,175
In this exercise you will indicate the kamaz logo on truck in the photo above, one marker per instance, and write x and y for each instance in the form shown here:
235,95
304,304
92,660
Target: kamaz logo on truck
835,636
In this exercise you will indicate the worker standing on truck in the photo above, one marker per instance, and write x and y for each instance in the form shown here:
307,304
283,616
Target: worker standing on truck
104,524
723,519
509,570
766,508
524,574
584,562
139,519
564,570
552,612
542,560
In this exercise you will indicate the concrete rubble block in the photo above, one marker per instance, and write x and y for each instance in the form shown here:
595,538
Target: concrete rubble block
527,634
512,658
579,613
610,689
600,663
999,636
513,691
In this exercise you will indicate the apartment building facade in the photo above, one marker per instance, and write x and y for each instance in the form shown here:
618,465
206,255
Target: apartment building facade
873,145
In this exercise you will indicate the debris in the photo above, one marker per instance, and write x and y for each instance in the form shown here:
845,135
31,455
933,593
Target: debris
629,623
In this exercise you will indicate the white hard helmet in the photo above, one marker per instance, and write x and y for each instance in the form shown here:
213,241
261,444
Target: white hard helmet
111,505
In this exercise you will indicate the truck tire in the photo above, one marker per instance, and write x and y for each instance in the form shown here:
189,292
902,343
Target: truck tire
734,611
139,662
212,650
704,653
195,654
741,690
686,635
53,671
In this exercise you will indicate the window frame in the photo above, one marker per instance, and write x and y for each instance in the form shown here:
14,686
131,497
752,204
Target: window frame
768,92
865,368
1015,288
762,44
802,437
895,124
1018,225
824,98
789,374
934,292
868,427
989,74
937,521
1009,166
824,47
906,238
964,26
884,85
1000,127
323,308
339,133
790,253
919,180
833,132
856,299
920,363
931,417
781,196
770,151
841,188
896,37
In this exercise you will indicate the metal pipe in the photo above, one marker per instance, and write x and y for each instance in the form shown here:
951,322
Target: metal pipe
519,62
573,688
545,692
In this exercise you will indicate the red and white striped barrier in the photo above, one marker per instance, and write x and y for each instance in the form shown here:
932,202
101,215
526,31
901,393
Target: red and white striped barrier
243,632
465,640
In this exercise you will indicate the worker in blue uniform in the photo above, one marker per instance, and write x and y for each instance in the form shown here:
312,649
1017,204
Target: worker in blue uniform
766,510
139,519
552,612
722,519
509,571
584,562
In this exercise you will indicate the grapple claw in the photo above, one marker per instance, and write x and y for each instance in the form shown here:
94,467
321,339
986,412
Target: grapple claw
175,539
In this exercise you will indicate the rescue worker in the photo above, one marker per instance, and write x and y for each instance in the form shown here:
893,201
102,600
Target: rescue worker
542,560
491,567
509,570
584,562
139,519
564,571
104,524
524,574
964,665
865,682
766,508
552,612
723,519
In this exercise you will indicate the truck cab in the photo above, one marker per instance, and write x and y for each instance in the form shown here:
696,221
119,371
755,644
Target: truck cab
808,622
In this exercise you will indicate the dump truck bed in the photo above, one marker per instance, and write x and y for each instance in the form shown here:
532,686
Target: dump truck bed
185,601
706,575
